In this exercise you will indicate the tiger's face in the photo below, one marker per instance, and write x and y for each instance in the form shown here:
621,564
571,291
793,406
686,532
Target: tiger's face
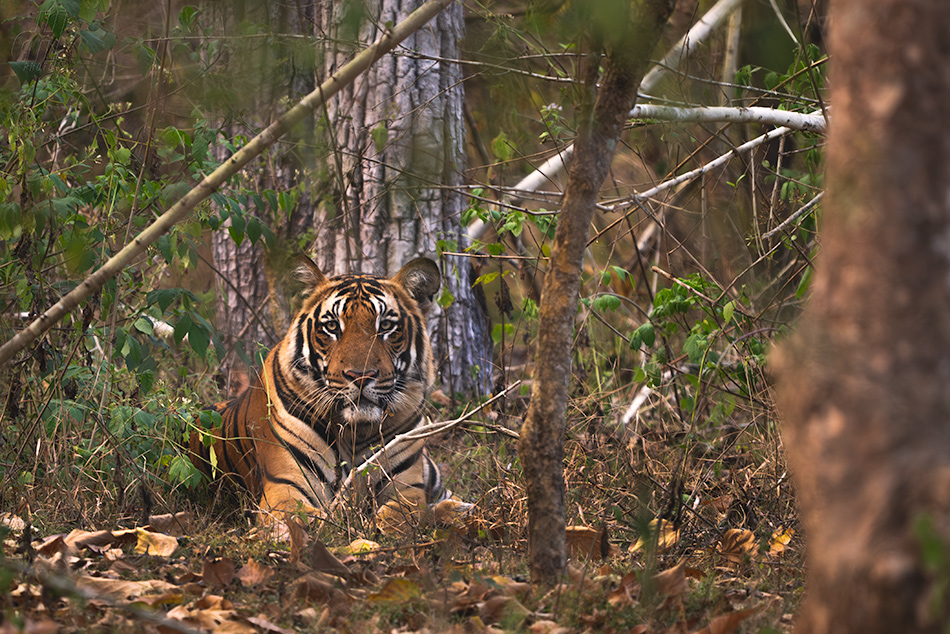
359,351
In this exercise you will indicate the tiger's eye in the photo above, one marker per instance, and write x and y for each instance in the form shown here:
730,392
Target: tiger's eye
332,327
386,324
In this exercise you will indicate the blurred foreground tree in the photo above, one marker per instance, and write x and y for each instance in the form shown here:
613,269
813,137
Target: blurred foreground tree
863,383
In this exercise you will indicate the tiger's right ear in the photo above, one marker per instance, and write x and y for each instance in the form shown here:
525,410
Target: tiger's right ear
308,273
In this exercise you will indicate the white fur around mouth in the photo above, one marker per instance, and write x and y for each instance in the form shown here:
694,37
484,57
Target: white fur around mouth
364,413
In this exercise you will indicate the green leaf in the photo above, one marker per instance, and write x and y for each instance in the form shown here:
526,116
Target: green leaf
163,297
446,298
502,330
199,338
501,147
56,14
26,71
144,325
253,229
727,311
644,335
183,327
695,347
186,17
97,39
380,136
605,303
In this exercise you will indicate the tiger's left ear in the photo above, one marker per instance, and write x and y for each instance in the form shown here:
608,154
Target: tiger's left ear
308,273
421,279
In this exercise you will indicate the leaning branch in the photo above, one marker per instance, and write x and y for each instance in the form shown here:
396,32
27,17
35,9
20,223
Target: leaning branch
217,178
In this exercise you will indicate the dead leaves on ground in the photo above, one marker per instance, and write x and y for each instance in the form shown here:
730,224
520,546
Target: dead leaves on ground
87,578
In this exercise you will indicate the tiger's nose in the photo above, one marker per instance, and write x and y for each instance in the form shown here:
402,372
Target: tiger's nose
360,377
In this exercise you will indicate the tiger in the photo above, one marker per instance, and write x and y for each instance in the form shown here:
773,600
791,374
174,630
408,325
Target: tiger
351,374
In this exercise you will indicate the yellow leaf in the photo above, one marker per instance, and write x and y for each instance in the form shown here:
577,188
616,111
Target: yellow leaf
663,532
780,540
155,544
395,592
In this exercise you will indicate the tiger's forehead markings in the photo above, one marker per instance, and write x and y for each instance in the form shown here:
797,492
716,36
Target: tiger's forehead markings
350,293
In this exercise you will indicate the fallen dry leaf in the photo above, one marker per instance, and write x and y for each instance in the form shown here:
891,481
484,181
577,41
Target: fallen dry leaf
780,540
396,592
120,591
253,573
318,587
359,547
627,591
265,625
663,532
322,560
585,542
671,584
176,524
504,610
218,573
547,627
155,544
726,623
735,544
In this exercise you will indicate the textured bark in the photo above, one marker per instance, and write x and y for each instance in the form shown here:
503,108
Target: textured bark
395,194
541,447
863,382
400,134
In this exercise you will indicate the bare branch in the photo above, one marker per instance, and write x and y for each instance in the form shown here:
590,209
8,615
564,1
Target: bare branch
213,181
696,35
810,122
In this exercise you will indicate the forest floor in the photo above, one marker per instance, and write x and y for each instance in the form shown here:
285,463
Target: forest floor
671,529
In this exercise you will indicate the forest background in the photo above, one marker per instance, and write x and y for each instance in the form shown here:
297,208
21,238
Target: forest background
700,256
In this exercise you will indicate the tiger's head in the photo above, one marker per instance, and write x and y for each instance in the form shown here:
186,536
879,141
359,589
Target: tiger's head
358,351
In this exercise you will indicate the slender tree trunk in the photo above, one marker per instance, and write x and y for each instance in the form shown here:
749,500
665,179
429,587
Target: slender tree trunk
864,381
400,138
603,114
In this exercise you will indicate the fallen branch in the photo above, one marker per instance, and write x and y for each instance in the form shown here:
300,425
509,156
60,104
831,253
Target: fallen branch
810,122
180,210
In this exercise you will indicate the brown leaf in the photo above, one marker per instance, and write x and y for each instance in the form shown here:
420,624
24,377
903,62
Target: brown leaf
504,610
672,583
298,539
547,627
735,544
322,560
99,540
726,623
155,544
266,625
30,626
626,593
254,573
585,542
318,587
177,524
119,591
218,573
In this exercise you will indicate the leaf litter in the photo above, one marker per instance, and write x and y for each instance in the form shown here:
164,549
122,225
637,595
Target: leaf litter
120,580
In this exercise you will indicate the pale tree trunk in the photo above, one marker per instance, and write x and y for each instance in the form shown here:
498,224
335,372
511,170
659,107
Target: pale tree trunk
863,384
400,138
541,448
397,136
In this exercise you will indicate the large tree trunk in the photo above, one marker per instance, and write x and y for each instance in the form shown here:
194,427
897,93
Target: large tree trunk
400,138
541,447
864,381
395,170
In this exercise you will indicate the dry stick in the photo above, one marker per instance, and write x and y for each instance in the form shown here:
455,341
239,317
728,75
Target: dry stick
350,71
418,433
